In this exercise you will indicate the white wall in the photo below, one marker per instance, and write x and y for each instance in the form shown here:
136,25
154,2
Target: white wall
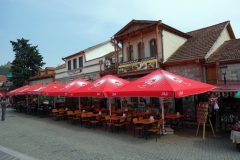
171,43
99,51
224,36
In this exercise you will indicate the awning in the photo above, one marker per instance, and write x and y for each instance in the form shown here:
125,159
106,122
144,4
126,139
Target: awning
230,86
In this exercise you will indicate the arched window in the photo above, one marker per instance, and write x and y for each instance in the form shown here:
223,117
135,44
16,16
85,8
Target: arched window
153,48
141,53
130,52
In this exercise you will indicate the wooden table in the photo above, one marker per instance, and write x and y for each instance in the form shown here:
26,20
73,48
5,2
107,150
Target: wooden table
172,117
146,122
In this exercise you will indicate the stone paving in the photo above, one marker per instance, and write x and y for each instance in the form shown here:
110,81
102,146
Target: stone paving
45,139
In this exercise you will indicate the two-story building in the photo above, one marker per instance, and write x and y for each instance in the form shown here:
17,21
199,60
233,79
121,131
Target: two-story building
85,63
149,45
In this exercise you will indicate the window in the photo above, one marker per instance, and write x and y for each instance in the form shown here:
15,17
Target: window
153,48
69,65
141,50
130,53
80,62
74,63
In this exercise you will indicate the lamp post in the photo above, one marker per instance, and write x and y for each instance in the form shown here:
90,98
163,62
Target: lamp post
224,70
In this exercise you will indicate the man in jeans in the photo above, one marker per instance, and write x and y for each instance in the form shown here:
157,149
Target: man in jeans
3,105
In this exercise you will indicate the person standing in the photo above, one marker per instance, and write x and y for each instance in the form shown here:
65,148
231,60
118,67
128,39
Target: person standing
3,105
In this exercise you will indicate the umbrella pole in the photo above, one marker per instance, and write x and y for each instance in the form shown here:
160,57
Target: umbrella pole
79,104
109,106
161,102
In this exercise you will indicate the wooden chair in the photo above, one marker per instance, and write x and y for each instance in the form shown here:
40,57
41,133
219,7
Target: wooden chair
138,127
156,129
107,122
69,115
54,113
60,113
119,125
76,118
96,121
128,121
84,118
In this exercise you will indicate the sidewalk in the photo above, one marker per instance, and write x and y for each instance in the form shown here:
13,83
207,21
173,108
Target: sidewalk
8,154
46,139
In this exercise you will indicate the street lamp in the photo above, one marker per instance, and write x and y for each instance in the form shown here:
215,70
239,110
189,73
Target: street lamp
224,70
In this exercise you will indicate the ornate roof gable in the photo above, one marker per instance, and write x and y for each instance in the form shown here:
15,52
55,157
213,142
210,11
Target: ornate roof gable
133,26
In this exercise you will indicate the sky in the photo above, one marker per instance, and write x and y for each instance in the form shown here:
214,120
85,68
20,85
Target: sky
64,27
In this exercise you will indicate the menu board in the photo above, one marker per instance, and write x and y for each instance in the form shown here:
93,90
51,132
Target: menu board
202,112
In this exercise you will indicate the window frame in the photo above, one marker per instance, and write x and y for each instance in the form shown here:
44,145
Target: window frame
69,64
130,52
152,54
141,50
80,62
75,63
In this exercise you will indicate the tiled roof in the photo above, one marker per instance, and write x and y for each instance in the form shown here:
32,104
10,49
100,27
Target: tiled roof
61,66
199,45
228,51
41,76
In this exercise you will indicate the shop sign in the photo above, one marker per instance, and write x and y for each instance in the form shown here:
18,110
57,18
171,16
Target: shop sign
137,65
75,72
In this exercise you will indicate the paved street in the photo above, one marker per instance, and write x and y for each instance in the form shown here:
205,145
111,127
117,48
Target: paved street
45,139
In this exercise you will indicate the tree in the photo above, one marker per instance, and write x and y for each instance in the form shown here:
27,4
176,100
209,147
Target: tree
27,61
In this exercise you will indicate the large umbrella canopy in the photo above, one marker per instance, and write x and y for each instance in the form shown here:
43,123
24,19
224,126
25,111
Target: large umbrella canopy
11,93
100,87
237,95
161,83
27,90
2,95
51,86
64,91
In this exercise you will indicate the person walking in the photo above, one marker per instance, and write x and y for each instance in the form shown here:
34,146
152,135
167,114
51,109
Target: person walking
3,105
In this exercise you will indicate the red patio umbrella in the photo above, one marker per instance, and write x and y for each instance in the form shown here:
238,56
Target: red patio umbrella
50,86
72,85
100,87
12,93
64,91
27,90
2,95
163,84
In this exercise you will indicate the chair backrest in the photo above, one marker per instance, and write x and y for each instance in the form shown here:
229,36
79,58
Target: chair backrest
122,120
96,109
76,111
98,117
114,115
135,120
140,118
54,110
83,114
118,109
61,109
107,117
69,112
90,113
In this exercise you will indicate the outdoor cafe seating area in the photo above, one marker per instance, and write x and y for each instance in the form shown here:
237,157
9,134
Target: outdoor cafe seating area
115,119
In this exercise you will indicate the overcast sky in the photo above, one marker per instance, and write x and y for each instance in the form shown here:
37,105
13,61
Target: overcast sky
63,27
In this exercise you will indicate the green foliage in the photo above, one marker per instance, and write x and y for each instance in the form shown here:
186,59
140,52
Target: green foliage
27,61
4,70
